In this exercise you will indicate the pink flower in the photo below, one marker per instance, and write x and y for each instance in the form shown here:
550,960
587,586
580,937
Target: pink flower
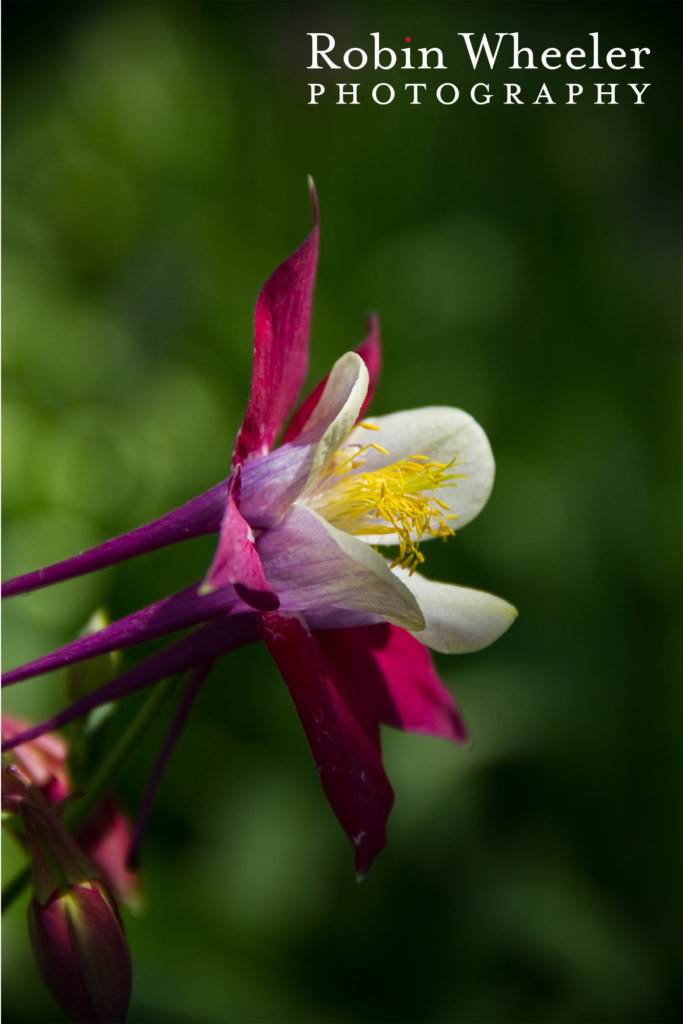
297,562
41,762
106,838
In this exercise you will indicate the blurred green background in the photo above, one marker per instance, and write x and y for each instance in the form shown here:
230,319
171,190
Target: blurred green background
526,263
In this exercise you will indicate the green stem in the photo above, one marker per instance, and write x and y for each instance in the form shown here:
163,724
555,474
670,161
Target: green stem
101,781
15,886
79,810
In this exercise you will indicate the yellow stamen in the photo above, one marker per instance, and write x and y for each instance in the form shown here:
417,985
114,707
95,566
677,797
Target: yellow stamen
390,500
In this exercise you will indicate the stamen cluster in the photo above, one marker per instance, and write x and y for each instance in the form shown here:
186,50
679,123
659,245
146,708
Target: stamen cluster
387,500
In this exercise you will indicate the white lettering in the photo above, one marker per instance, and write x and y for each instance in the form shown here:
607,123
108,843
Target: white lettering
406,60
425,66
316,90
383,85
363,58
415,86
456,94
639,92
596,65
517,51
513,91
606,89
576,54
549,54
317,52
544,96
491,55
636,51
379,50
574,90
611,57
487,95
342,88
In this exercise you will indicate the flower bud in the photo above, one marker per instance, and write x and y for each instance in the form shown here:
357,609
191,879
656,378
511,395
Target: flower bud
80,948
75,929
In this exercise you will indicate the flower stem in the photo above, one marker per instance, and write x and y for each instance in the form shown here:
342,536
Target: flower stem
15,886
101,781
79,811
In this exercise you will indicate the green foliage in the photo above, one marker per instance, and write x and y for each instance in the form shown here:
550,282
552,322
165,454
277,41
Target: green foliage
525,266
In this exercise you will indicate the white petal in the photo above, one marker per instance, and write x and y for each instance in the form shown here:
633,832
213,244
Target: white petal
442,434
312,565
335,414
272,484
457,619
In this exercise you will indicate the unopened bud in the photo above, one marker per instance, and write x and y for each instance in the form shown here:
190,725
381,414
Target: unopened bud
80,948
74,924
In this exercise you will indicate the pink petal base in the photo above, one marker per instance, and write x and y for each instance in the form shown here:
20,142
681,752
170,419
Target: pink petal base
236,560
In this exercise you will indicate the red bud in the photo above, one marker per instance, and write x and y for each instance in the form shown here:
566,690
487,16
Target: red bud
80,948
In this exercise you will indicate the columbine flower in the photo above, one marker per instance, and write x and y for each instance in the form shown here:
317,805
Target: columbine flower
297,561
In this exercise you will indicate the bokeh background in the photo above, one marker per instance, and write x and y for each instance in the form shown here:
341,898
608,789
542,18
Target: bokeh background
526,263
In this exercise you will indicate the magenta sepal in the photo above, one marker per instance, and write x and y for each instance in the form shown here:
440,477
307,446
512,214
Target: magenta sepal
204,644
281,327
345,749
80,947
387,676
195,518
370,352
345,683
187,608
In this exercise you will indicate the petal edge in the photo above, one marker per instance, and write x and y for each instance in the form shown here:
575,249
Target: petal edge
458,620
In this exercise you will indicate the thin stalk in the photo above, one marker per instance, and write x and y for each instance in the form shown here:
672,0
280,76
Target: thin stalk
192,689
113,762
